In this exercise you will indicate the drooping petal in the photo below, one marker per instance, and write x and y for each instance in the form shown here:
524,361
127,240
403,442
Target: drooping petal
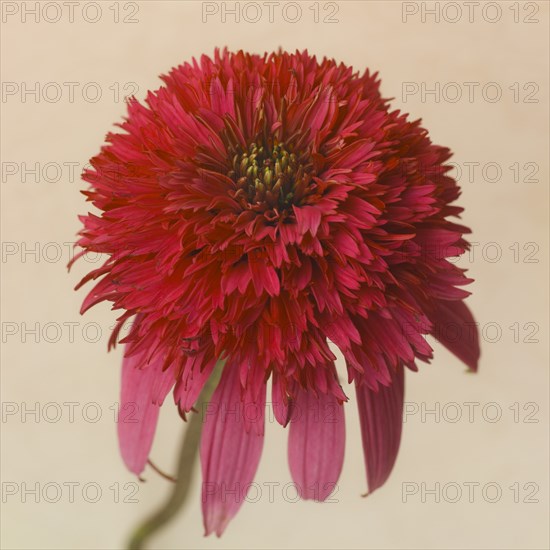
456,329
143,390
229,453
381,418
316,443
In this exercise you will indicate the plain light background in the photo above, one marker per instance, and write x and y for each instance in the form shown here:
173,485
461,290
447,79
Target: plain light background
510,296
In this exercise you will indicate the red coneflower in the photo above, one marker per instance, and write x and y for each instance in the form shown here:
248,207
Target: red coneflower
252,210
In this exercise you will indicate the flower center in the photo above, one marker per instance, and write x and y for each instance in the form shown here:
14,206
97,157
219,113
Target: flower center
270,177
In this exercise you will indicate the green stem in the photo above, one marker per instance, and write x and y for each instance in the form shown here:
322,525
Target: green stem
188,453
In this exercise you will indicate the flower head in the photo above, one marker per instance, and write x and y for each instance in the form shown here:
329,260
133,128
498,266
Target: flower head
253,209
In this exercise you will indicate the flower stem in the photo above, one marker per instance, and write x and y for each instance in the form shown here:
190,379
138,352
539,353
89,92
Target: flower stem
188,453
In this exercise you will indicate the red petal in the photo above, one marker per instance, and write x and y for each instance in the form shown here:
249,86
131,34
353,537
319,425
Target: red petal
381,416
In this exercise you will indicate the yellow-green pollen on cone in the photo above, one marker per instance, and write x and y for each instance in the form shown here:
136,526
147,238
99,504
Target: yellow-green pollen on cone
266,175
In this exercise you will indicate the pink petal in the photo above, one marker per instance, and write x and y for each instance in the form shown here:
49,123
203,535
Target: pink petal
456,329
381,417
229,453
316,443
142,393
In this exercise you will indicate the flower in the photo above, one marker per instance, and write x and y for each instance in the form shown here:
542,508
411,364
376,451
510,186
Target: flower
252,210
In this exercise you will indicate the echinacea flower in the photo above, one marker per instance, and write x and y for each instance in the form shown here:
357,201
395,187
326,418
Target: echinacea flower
253,209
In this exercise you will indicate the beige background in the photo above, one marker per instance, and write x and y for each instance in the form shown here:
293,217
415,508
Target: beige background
73,369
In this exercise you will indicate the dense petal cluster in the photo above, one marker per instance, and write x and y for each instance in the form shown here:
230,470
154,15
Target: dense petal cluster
253,209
